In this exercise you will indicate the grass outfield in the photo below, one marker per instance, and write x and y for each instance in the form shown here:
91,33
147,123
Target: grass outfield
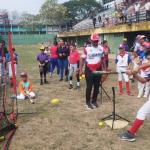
70,126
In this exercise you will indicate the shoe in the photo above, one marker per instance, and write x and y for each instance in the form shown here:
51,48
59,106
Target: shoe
50,75
46,82
145,96
89,106
120,93
77,87
41,83
129,93
66,79
70,86
127,137
139,96
94,104
61,79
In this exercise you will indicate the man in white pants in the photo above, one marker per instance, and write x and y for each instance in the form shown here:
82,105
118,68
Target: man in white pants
144,111
123,61
25,88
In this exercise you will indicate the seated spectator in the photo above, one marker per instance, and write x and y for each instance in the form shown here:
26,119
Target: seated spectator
94,22
99,18
137,11
147,9
125,41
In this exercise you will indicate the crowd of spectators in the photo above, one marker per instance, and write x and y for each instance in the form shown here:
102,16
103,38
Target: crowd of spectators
124,12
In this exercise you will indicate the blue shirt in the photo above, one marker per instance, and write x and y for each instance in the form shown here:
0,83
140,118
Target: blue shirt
42,57
8,58
63,51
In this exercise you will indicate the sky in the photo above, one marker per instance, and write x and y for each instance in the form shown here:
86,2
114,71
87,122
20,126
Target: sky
30,6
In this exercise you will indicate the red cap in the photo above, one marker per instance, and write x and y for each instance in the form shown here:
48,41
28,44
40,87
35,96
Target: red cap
95,37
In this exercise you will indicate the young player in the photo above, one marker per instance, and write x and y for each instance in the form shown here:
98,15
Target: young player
53,59
144,111
123,61
93,60
43,59
25,88
74,59
8,59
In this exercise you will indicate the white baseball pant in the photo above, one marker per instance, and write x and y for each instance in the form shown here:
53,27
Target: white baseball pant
144,111
10,69
21,96
122,76
72,69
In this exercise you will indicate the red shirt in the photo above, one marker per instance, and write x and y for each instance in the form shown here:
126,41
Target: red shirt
53,52
74,57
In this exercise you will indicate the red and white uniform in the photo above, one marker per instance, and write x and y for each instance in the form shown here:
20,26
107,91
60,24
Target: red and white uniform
93,57
144,89
144,111
122,63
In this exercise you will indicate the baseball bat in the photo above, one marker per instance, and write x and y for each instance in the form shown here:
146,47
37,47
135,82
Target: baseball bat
106,72
32,102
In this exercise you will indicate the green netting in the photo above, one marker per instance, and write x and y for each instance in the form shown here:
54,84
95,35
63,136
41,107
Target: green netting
32,38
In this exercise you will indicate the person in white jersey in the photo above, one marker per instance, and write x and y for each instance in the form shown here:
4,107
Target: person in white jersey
93,59
144,111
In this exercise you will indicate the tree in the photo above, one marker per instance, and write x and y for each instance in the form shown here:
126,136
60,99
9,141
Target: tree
81,9
52,13
29,21
15,16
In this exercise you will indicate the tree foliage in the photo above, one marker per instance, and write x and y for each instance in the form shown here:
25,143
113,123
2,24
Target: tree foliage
52,12
81,9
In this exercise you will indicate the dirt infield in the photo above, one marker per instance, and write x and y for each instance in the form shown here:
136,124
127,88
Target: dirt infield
70,126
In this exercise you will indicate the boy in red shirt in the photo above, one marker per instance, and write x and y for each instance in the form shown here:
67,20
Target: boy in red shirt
74,60
53,59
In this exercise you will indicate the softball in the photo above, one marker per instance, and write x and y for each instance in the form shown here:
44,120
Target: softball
83,76
101,124
55,101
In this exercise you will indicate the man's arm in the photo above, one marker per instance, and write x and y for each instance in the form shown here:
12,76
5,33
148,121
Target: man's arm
136,76
145,65
139,78
82,62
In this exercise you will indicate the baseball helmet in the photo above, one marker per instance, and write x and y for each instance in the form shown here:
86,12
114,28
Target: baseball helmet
42,47
121,46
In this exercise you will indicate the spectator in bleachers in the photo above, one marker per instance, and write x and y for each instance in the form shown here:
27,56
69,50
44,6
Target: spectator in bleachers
125,44
94,22
99,18
125,13
147,9
137,11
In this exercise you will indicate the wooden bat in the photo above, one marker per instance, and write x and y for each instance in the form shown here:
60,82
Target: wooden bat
106,72
32,102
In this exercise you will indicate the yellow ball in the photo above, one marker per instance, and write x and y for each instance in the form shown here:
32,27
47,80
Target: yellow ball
83,76
55,101
101,124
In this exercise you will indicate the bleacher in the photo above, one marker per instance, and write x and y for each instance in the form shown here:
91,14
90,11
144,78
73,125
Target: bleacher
88,23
